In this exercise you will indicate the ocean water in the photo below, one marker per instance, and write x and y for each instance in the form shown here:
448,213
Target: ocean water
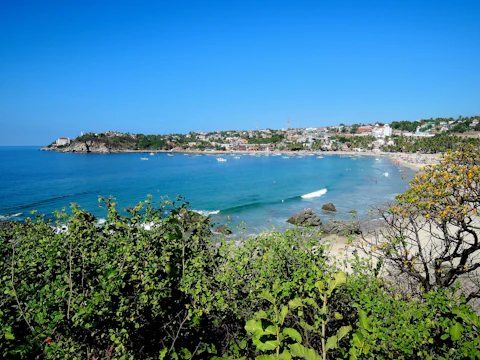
260,192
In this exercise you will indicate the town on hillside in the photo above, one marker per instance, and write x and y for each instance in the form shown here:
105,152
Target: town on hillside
431,136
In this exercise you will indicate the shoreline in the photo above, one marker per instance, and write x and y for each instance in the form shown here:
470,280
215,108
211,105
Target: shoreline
412,161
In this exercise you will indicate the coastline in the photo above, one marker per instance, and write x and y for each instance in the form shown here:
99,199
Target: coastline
409,160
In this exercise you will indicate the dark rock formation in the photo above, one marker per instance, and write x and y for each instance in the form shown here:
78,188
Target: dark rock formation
306,218
342,227
192,217
223,229
329,207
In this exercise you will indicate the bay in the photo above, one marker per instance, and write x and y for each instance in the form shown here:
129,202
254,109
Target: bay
261,192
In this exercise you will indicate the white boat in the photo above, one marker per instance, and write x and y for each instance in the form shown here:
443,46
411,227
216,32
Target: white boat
152,154
143,158
221,159
286,157
236,157
169,154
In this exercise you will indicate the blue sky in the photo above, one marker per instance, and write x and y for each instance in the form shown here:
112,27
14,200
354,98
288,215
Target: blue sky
157,67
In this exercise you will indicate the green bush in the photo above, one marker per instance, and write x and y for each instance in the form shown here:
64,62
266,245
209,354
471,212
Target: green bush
119,291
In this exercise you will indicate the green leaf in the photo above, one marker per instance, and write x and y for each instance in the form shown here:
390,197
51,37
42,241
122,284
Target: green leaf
358,339
267,296
9,336
270,330
344,330
331,343
261,315
456,331
265,357
268,345
306,326
283,314
295,303
285,355
292,333
364,321
162,354
303,352
339,279
254,327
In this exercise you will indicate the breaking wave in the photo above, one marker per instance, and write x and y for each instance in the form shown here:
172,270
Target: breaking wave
314,194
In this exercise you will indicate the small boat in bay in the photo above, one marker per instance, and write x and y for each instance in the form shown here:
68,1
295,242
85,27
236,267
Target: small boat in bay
143,158
221,159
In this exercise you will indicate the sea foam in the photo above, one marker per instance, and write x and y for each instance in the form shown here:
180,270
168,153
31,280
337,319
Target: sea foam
206,212
314,194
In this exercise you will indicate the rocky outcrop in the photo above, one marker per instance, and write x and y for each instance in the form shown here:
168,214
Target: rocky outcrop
192,217
342,227
89,146
329,207
223,229
306,218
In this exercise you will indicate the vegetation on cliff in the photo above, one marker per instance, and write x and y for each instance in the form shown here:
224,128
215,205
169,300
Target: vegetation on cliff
78,289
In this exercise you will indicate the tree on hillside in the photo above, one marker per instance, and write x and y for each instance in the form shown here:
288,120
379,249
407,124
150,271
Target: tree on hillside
432,232
354,128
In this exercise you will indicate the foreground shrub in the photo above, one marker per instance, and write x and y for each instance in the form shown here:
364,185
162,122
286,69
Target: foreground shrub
79,289
92,291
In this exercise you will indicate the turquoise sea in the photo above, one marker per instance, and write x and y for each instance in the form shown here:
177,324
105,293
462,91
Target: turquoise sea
259,191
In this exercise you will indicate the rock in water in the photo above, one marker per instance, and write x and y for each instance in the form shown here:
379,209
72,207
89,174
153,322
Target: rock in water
306,218
329,207
223,229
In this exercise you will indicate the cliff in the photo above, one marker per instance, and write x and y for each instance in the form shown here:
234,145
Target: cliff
93,143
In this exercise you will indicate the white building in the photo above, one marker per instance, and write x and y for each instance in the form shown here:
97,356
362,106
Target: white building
63,141
380,132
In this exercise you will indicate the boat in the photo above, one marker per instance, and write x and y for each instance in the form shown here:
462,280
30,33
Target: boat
143,158
221,159
286,157
152,154
236,157
320,157
169,154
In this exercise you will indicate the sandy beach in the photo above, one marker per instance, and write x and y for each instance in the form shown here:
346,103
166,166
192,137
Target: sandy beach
342,247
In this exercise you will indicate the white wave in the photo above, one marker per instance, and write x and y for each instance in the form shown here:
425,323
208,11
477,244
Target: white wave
314,194
385,174
8,217
206,212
